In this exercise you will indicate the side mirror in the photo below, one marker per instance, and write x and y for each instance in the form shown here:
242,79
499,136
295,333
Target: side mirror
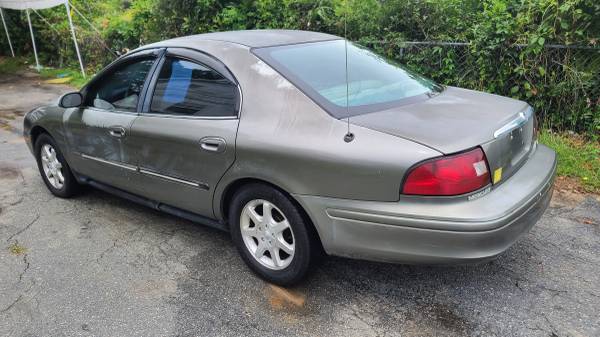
70,100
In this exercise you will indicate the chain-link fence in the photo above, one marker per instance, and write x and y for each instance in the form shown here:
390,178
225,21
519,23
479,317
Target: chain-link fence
561,82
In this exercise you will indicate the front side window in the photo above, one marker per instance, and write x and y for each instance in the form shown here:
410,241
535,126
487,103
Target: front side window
319,69
120,89
191,89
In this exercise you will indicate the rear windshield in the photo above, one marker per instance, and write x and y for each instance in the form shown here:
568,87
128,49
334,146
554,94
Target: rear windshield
374,83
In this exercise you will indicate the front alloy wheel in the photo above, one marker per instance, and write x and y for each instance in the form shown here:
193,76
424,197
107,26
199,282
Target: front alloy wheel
53,167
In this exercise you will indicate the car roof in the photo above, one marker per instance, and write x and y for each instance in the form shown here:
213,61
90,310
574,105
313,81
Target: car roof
255,38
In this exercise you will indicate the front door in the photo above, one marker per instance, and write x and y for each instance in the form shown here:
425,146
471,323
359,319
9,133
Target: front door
185,135
98,133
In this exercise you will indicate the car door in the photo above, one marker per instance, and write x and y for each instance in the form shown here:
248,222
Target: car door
98,132
184,137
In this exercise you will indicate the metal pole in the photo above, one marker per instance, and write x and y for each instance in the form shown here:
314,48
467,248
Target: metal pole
74,38
7,35
37,62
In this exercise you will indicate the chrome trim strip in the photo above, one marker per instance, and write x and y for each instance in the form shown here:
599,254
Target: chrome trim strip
521,119
239,112
186,182
114,111
104,161
150,114
148,172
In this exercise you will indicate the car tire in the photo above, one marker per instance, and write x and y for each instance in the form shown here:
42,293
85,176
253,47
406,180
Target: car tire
284,268
53,168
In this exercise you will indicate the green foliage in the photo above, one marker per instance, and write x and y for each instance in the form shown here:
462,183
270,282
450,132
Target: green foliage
9,65
576,158
509,41
428,20
510,53
76,78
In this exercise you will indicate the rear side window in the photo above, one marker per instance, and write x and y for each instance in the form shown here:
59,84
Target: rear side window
121,88
373,82
191,89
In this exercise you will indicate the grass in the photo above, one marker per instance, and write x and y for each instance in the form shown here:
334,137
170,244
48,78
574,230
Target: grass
17,249
577,158
10,65
77,79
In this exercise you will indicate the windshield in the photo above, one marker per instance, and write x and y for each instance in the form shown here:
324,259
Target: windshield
374,83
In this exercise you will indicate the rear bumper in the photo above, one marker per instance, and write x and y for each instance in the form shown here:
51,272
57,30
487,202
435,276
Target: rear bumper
437,230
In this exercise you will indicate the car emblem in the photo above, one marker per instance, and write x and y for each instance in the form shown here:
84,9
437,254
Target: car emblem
479,194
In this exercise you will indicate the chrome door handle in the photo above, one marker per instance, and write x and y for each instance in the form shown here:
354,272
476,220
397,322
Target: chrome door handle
213,144
116,131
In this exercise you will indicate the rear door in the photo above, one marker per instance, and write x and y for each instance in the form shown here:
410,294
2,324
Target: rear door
184,138
98,132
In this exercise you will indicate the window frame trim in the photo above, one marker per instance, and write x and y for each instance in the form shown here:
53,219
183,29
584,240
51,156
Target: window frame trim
157,53
198,57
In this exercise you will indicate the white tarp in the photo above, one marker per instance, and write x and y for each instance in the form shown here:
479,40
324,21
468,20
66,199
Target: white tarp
38,4
30,4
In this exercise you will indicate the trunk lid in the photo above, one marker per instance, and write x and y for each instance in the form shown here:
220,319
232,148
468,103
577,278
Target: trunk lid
459,119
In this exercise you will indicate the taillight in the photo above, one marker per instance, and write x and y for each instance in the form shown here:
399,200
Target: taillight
450,175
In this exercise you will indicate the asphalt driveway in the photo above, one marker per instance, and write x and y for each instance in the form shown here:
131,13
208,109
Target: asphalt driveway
97,265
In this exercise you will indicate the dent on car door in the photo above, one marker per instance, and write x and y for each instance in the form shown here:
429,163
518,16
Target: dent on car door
98,132
185,136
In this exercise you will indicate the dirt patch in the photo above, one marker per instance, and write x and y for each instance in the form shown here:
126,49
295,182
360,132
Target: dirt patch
11,113
569,192
154,288
7,116
588,221
568,184
595,224
281,298
446,317
4,125
9,172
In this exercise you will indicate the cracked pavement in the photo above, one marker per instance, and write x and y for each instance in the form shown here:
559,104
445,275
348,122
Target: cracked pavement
97,265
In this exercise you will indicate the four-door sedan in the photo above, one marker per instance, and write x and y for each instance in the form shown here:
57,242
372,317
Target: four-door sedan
267,135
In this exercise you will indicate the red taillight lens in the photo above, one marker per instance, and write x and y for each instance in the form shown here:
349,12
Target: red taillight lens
451,175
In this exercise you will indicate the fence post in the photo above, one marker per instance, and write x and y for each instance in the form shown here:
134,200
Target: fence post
74,37
37,62
7,35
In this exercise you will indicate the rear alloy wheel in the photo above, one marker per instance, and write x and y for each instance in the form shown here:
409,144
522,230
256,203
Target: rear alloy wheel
271,234
54,169
267,234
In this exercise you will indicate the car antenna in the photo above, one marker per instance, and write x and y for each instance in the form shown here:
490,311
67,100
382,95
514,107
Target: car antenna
349,136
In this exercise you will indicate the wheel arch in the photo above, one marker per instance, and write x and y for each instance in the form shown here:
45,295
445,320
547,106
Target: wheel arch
231,189
35,132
